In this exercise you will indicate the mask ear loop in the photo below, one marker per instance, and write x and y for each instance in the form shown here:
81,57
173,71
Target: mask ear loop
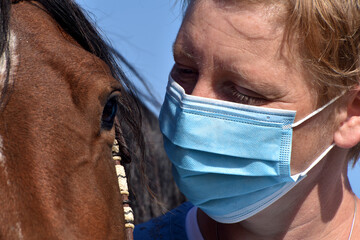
317,110
323,154
317,160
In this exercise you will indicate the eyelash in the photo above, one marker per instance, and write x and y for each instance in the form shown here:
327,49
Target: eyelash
188,75
239,97
184,72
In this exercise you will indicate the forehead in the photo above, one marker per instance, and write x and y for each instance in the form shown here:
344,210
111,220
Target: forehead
247,20
235,26
50,57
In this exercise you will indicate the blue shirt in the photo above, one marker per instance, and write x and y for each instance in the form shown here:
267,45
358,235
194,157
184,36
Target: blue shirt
170,226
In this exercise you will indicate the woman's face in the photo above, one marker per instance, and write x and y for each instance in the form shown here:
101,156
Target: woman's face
235,52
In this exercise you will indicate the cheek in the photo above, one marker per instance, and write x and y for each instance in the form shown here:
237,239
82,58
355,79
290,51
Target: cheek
310,139
304,147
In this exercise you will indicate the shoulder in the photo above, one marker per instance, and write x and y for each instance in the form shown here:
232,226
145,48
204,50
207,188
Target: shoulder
168,226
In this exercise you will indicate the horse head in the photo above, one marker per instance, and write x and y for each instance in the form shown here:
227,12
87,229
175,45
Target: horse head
60,94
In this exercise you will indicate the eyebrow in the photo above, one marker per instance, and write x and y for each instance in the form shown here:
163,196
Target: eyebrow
238,72
182,51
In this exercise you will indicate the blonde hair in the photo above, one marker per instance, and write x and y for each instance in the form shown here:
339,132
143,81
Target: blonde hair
328,36
328,32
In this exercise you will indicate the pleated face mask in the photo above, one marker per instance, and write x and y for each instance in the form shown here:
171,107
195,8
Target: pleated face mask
231,160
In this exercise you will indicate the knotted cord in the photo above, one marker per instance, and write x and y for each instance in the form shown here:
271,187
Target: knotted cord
123,186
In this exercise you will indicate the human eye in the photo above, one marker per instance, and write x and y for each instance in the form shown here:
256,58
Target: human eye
184,72
184,75
242,95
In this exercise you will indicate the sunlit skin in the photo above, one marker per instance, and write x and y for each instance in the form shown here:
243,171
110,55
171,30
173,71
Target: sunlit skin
235,52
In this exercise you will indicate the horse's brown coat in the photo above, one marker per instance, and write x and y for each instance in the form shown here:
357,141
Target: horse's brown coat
62,183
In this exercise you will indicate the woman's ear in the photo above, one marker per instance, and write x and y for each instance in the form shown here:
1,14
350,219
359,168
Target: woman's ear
348,133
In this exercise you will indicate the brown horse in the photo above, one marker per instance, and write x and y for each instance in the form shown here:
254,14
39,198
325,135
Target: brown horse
61,89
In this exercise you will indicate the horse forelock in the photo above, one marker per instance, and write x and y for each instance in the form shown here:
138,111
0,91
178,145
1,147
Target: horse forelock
12,43
8,62
8,65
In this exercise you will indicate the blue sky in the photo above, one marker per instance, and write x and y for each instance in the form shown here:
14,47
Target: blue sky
144,31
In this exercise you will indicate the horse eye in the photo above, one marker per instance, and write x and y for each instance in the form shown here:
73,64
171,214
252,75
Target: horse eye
109,113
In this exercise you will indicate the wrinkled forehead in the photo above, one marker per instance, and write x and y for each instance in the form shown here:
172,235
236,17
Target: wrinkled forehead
267,23
237,2
253,20
269,10
238,11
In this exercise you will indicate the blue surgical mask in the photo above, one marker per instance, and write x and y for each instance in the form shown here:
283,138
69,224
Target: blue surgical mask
231,160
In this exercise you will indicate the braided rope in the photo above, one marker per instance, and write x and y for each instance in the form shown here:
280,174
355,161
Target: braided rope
123,186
